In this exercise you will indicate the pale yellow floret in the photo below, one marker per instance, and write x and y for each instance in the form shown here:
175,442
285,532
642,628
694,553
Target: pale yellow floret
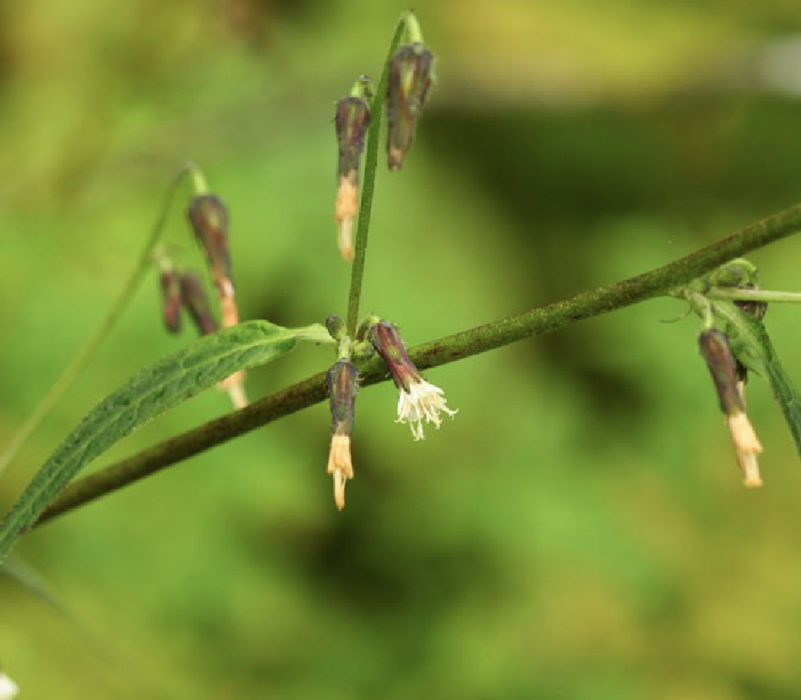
345,208
340,466
747,447
235,387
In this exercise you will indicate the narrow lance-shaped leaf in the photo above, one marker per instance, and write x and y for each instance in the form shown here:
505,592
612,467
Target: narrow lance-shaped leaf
150,393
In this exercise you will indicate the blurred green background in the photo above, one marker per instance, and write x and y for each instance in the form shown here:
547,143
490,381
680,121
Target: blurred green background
579,531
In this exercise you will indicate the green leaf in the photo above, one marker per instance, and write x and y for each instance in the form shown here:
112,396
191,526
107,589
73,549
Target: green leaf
150,393
752,346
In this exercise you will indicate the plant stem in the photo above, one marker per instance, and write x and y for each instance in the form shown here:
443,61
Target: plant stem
753,295
366,200
79,362
662,281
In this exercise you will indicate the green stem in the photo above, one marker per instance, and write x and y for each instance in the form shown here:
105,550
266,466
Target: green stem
79,362
662,281
753,295
414,35
700,304
370,167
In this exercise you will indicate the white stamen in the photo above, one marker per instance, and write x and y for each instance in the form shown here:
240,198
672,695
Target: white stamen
423,401
747,446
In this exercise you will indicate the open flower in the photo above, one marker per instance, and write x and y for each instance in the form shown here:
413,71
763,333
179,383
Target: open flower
722,366
343,384
418,399
8,689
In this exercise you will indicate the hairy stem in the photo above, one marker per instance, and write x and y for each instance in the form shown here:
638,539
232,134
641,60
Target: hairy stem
659,282
82,359
366,200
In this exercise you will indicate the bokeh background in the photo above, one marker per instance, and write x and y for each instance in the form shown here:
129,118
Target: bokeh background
579,531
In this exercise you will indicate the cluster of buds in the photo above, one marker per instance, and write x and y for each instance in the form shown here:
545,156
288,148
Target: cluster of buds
418,400
210,222
351,121
8,689
409,81
729,382
408,84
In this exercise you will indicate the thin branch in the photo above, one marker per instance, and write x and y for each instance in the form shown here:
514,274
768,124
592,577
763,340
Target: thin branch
81,360
659,282
370,167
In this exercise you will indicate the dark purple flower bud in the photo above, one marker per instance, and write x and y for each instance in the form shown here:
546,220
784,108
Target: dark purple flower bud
351,121
209,219
343,385
390,346
715,350
197,303
409,82
171,299
714,347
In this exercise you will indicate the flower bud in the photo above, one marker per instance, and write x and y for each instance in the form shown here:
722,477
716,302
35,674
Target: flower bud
418,399
390,346
714,347
171,301
343,385
209,219
197,303
351,122
715,350
409,80
336,327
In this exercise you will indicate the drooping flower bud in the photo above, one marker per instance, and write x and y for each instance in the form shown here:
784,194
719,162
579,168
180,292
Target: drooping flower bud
343,384
351,122
210,222
714,346
418,399
409,81
171,301
197,303
209,219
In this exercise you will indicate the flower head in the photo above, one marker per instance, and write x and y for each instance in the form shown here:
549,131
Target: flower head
714,347
418,399
351,121
343,384
409,80
209,219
